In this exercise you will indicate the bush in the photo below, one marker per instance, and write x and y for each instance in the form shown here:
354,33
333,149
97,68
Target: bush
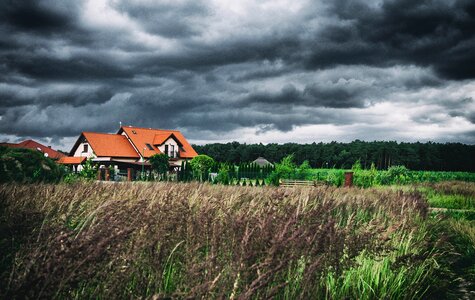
26,165
365,178
201,165
287,169
89,170
398,174
223,174
160,164
335,177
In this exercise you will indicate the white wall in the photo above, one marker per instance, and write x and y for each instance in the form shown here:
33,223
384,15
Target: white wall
170,142
79,151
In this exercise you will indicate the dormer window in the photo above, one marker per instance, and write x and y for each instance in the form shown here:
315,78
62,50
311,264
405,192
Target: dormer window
149,146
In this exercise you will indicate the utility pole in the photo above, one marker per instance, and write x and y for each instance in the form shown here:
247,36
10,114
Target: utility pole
143,160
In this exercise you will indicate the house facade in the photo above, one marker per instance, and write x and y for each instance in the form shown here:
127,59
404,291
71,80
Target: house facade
130,147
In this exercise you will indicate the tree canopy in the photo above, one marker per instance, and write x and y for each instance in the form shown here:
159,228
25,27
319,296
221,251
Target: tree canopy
415,156
159,163
201,164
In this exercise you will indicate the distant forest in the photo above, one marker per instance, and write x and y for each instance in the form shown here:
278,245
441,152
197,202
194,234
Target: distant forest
415,156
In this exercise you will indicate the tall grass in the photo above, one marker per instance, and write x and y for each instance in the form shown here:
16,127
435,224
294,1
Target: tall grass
132,240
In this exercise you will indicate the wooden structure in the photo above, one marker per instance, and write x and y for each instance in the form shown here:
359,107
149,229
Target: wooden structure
348,179
292,183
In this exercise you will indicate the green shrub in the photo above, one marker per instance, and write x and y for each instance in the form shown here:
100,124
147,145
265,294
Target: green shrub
89,170
335,177
160,164
26,165
201,165
398,174
287,169
223,174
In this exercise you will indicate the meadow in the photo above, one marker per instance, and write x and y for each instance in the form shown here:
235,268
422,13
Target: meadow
182,240
364,178
397,175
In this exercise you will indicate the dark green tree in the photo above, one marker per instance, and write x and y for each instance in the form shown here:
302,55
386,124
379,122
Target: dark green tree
160,164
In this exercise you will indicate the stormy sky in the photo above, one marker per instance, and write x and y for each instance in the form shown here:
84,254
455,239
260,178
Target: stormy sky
250,71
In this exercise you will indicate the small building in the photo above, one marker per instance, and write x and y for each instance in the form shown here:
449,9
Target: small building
130,147
262,162
31,144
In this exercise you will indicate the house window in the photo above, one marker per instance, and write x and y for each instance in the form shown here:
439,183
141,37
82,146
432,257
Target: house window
85,148
172,151
166,150
149,146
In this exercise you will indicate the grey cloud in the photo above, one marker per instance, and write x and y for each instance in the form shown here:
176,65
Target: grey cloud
17,95
328,63
339,94
427,33
33,16
172,19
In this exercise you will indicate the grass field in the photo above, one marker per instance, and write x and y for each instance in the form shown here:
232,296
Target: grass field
143,240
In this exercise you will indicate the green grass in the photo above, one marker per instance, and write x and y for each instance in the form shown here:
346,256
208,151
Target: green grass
377,278
452,201
468,215
454,219
368,178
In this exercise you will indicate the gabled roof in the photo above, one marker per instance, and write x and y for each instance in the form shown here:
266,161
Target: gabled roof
261,162
161,138
9,145
110,145
142,136
30,144
71,160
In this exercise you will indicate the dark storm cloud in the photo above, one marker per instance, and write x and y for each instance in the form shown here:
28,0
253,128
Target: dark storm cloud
315,95
13,95
172,19
31,15
428,33
71,66
83,68
204,58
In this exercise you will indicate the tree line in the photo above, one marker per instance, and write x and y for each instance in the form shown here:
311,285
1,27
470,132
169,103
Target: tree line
384,154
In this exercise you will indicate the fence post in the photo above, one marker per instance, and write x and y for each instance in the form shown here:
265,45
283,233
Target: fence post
129,174
348,179
99,174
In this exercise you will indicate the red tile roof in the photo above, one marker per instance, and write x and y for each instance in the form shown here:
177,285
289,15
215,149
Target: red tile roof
111,145
71,160
142,136
161,138
9,145
30,144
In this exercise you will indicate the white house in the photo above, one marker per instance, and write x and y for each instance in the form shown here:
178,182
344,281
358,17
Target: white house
130,147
